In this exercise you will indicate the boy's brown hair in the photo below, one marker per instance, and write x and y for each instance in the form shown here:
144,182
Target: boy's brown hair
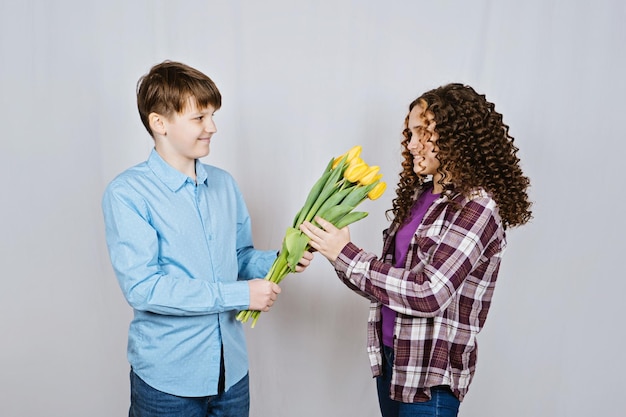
169,86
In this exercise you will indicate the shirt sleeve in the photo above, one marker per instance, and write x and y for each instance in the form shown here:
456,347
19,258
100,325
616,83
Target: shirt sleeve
428,287
134,251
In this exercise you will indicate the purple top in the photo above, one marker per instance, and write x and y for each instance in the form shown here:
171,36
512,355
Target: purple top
403,240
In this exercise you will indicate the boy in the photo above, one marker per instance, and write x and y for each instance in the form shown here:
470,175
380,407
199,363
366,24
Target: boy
179,239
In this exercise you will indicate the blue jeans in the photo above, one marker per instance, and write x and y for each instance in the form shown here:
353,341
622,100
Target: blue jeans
146,401
442,403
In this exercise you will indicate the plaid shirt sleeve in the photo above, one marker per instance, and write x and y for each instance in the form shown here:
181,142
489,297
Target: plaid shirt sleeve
449,249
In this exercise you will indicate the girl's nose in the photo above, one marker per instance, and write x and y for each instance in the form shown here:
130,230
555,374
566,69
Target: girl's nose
415,143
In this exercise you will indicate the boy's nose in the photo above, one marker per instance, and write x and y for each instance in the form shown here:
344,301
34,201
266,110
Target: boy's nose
210,127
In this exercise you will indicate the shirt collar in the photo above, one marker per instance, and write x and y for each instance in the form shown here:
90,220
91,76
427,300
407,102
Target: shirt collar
201,174
171,177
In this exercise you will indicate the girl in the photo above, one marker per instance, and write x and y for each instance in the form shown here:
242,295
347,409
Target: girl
460,188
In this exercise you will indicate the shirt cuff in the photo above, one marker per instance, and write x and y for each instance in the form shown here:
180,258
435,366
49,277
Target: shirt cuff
346,257
236,295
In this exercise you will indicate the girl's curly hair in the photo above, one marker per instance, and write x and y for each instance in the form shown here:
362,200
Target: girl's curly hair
474,149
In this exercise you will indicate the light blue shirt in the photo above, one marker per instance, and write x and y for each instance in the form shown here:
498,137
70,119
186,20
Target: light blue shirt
180,252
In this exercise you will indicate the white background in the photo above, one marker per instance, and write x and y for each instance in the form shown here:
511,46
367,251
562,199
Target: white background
304,81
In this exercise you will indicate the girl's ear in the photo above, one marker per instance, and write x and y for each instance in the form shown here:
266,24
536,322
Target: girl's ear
157,124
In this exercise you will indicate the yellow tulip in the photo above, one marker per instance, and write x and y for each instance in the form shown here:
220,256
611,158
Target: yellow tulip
352,153
355,152
357,161
377,191
370,176
355,171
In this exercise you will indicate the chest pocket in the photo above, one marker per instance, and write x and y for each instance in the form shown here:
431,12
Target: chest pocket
426,240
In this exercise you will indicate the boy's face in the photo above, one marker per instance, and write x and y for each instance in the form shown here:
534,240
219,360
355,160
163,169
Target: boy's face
187,135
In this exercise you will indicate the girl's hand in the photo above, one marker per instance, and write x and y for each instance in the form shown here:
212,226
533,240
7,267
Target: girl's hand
328,240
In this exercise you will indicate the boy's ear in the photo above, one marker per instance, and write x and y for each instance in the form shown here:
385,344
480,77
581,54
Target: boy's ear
157,123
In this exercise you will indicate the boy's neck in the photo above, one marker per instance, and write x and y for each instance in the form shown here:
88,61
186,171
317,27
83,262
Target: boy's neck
184,165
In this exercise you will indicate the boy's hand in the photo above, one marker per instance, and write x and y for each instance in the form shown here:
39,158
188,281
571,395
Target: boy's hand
305,261
263,293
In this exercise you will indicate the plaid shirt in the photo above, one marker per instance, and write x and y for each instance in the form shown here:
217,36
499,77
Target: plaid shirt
441,296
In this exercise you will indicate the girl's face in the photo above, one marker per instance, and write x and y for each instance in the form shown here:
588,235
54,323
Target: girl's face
423,143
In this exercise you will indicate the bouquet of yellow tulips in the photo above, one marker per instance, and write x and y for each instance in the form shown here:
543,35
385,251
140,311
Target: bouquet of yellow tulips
346,182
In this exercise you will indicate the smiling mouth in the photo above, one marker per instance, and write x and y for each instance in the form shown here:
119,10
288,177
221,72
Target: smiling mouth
418,162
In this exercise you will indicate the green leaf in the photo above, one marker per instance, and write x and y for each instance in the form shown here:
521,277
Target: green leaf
359,194
313,194
295,243
337,212
329,189
350,218
332,201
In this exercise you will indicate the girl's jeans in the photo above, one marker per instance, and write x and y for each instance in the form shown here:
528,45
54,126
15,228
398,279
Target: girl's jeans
443,403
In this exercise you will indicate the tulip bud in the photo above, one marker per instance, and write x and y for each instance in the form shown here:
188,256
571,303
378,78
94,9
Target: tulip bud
370,175
377,191
355,171
354,152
